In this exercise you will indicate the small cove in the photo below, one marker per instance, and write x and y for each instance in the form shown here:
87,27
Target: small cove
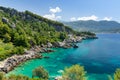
99,57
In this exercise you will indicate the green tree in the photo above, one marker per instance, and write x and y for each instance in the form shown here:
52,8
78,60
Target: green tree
41,73
7,37
1,76
75,72
63,35
17,77
18,50
117,74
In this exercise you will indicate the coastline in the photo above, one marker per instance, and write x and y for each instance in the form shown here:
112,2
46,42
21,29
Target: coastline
36,52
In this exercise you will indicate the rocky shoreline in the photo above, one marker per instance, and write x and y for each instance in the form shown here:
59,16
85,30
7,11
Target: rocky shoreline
11,62
36,52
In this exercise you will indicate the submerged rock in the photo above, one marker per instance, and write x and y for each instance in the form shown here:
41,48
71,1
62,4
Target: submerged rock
46,57
75,46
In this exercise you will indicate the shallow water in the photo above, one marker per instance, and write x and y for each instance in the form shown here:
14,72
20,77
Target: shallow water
100,57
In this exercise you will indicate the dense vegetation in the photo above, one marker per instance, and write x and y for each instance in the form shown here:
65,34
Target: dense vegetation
116,75
95,26
19,30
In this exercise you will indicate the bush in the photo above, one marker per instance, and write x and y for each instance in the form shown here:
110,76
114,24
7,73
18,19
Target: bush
40,72
16,77
75,72
18,50
117,74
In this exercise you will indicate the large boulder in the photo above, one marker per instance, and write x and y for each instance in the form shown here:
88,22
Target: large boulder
5,20
49,45
13,25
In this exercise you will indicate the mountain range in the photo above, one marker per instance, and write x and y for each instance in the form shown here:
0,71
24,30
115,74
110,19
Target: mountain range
95,26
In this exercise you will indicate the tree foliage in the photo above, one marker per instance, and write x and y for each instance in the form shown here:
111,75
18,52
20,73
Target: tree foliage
117,74
41,73
75,72
16,77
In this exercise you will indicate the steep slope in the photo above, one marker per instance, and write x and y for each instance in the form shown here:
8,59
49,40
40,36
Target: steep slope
22,30
95,26
31,25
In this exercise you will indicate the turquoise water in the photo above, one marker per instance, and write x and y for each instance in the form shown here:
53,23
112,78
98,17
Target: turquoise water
99,57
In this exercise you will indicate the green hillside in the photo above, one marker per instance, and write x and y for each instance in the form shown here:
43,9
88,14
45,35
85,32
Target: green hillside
22,30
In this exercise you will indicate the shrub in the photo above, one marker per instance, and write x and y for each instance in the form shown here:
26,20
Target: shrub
41,73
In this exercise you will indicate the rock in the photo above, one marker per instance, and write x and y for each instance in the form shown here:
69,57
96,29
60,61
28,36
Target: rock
49,45
42,45
13,61
13,12
5,20
50,50
46,57
55,44
75,46
13,25
58,78
67,45
61,44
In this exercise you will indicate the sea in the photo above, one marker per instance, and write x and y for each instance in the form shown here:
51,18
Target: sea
100,58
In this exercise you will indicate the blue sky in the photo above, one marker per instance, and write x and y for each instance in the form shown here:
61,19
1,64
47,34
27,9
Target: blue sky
66,10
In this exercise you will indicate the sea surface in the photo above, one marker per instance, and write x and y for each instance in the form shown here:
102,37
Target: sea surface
100,58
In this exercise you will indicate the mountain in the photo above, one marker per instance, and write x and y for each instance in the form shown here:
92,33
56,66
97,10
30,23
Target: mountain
95,26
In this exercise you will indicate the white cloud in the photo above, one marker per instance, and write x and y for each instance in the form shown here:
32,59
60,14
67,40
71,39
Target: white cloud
93,17
55,10
58,17
52,14
73,19
107,18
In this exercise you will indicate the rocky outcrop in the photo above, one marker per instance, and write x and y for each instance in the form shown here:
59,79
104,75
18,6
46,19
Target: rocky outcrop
58,78
13,61
68,43
13,25
49,45
89,37
5,20
75,46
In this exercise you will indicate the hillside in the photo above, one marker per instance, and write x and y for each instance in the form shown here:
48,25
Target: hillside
95,26
19,31
22,30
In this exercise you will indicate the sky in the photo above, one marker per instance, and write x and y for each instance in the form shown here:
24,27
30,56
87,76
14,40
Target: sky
69,10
